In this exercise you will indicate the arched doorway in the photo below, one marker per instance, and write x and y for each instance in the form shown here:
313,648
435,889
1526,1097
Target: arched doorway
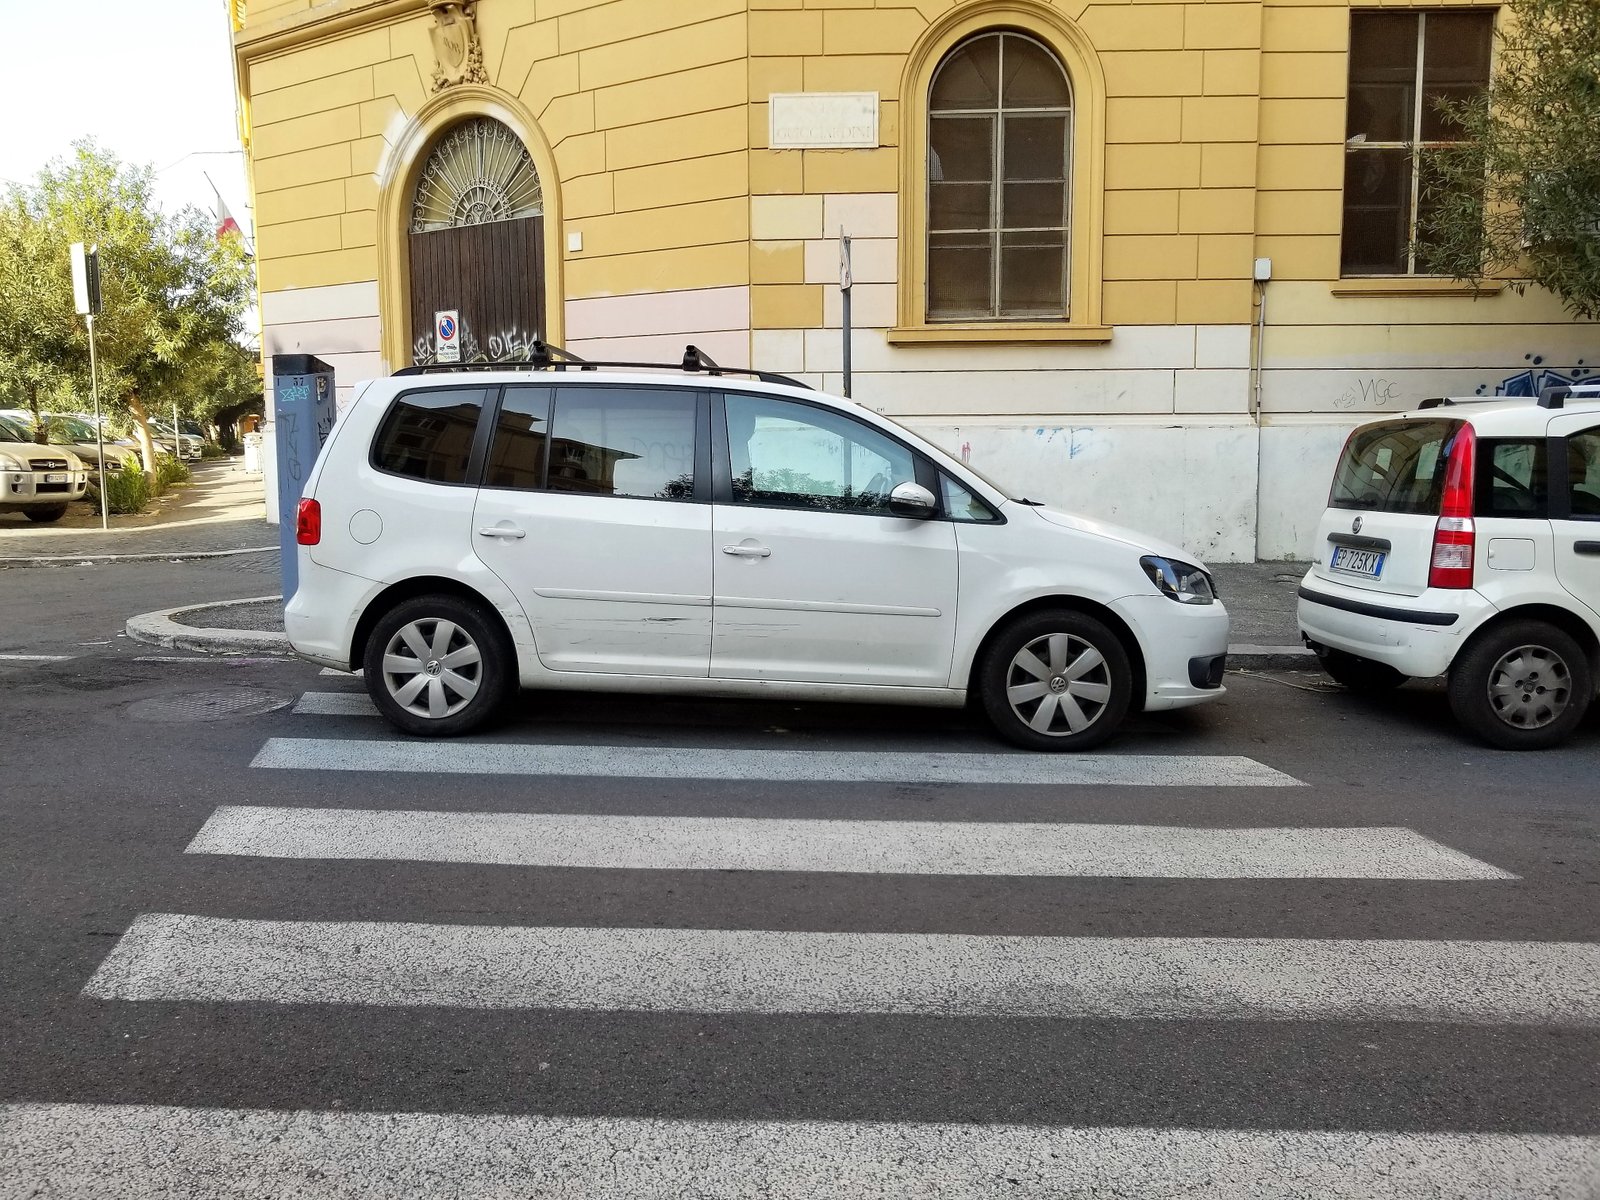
477,243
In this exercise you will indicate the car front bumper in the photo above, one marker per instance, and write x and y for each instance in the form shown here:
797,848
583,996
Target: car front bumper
1172,635
30,488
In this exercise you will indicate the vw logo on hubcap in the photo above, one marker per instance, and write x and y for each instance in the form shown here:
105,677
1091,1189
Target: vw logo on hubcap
1058,684
434,666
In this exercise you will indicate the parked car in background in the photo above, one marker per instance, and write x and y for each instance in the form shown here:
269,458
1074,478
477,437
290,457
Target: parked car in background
191,446
64,429
38,481
1464,540
685,532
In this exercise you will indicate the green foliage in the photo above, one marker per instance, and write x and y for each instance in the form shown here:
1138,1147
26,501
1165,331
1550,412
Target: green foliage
169,472
1522,194
127,490
210,450
173,295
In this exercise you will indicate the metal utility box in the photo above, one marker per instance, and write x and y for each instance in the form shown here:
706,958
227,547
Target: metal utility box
303,412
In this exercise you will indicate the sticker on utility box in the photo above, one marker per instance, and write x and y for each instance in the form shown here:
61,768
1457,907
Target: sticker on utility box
447,336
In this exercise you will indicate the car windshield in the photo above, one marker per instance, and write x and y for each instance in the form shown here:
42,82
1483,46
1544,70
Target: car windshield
74,429
999,487
10,431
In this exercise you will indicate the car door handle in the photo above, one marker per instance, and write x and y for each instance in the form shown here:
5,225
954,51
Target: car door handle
1587,547
748,551
502,531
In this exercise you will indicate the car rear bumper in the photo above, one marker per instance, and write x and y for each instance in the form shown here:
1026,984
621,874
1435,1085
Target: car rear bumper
1416,635
1172,636
320,619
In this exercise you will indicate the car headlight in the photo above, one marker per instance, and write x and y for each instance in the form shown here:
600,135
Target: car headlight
1180,581
7,463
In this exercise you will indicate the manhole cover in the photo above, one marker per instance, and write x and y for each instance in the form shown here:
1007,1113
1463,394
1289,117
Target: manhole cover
216,705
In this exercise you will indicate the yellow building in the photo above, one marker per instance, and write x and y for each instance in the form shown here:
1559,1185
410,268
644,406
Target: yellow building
1059,213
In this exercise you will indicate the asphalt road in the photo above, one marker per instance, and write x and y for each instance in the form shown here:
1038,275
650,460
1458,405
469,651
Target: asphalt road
1359,957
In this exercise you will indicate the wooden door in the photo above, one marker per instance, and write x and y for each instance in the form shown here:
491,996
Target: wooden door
492,275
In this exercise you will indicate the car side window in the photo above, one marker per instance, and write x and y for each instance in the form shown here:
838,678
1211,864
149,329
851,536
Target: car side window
1583,474
516,456
1513,479
800,456
427,434
961,505
623,441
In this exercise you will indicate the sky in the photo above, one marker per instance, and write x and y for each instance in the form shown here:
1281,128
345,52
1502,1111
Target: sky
151,80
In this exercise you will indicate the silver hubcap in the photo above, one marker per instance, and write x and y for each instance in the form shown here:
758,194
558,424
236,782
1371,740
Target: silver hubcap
1530,687
432,668
1058,685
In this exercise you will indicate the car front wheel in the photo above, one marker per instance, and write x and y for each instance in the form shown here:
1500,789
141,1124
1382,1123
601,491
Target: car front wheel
439,666
46,512
1522,686
1056,680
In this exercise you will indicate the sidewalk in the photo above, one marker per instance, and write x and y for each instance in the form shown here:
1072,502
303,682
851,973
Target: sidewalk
220,512
1260,599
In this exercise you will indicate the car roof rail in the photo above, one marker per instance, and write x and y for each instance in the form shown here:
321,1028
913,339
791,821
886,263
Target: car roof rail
549,357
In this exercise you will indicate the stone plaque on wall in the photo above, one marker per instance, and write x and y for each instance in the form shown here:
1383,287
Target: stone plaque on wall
822,120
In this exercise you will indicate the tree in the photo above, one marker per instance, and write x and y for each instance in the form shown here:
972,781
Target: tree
38,334
173,295
1521,195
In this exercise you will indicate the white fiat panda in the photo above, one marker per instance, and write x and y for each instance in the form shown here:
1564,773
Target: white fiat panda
1464,539
467,531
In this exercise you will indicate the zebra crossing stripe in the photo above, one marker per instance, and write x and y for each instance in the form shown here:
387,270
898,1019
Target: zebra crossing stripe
660,762
772,844
172,957
147,1150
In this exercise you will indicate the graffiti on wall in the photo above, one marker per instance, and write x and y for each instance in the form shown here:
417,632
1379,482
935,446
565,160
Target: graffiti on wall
1534,379
505,345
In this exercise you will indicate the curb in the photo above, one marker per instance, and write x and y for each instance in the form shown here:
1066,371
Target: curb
58,560
159,629
1270,658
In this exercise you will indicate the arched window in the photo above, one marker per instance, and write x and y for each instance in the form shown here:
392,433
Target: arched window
999,182
478,173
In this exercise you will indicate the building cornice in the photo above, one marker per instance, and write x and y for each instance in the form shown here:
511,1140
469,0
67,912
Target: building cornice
319,23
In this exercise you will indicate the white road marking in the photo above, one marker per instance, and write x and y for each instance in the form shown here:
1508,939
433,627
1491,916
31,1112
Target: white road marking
166,956
139,1150
336,704
769,844
335,671
857,766
39,658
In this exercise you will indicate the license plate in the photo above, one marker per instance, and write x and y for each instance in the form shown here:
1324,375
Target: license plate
55,478
1358,562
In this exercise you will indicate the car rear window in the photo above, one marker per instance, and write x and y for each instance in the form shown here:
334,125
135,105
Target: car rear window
1396,467
428,434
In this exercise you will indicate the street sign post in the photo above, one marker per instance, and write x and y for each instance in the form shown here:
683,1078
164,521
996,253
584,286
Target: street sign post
846,283
86,299
447,336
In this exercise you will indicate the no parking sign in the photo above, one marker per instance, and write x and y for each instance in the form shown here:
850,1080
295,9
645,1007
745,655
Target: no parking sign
446,337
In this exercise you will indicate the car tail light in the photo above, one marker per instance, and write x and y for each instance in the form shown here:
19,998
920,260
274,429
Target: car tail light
308,523
1454,535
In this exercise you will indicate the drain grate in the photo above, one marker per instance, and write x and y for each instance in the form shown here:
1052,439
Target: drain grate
218,704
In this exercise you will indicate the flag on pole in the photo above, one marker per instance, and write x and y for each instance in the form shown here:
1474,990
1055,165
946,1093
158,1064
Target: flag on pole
226,225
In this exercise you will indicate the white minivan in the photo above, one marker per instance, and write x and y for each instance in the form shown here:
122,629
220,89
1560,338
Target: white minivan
697,531
1464,539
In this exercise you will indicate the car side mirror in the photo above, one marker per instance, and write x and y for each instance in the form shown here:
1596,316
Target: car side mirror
912,500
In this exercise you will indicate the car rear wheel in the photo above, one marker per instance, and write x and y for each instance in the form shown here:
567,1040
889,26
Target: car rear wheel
1056,680
1360,674
439,666
1524,685
46,512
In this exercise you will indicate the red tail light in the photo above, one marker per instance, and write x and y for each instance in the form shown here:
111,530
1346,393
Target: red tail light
308,523
1454,536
